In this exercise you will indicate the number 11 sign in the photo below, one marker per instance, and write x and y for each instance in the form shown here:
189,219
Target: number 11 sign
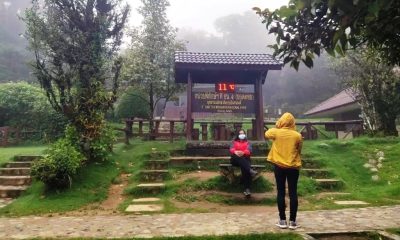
225,87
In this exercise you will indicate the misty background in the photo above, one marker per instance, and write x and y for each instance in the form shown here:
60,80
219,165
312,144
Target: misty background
240,32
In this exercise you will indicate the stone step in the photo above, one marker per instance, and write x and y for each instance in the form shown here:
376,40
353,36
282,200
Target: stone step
146,200
27,158
15,180
316,173
329,184
137,208
11,191
151,187
311,164
18,164
156,164
154,175
15,171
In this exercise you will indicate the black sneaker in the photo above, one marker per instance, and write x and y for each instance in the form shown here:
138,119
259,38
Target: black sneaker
282,224
254,174
293,225
247,192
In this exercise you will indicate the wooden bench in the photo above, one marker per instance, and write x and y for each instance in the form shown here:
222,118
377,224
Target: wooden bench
228,171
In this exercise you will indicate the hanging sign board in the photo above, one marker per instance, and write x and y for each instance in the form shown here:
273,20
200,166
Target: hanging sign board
223,102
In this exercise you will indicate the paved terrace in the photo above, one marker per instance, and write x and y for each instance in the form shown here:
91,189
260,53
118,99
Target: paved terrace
371,218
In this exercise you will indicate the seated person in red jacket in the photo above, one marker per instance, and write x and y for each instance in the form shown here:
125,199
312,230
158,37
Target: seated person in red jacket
240,157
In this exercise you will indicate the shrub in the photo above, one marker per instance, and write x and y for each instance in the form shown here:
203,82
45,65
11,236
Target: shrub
100,148
58,165
25,106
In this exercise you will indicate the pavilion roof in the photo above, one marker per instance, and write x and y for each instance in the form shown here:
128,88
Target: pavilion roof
223,62
226,58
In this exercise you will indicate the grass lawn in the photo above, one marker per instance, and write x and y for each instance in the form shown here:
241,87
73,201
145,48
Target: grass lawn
346,159
89,185
7,153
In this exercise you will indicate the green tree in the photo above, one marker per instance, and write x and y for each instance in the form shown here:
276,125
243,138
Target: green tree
376,86
133,103
25,106
149,61
304,27
75,45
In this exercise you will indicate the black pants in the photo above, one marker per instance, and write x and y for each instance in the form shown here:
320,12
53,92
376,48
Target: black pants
244,164
292,176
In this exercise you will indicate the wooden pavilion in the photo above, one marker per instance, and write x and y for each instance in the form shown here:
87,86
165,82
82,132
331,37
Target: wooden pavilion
227,71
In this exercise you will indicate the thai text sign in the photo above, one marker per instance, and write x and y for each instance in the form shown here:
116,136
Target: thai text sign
223,102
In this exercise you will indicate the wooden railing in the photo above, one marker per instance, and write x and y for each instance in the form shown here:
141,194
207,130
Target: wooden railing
221,131
342,129
157,133
12,136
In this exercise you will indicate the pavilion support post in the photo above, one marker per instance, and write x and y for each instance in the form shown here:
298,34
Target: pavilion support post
189,120
259,128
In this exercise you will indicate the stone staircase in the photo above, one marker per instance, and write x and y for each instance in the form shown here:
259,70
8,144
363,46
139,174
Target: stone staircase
152,183
323,177
15,176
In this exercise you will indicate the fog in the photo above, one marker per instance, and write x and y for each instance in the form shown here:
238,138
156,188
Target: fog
204,26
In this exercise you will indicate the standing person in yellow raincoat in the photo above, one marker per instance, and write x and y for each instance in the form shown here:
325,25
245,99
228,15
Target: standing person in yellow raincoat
285,155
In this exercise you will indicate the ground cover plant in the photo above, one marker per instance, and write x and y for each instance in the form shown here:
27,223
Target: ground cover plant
368,167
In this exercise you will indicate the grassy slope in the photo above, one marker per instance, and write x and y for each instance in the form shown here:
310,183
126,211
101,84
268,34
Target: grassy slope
6,154
89,185
346,159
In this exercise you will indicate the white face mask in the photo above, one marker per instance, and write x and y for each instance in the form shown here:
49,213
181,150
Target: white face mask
242,136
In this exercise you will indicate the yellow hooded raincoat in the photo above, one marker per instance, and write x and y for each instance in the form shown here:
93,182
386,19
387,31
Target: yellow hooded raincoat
286,146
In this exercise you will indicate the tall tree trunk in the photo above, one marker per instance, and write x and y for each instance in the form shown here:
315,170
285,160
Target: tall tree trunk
388,126
151,117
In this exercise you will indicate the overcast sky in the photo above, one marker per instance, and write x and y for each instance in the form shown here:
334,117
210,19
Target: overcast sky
201,14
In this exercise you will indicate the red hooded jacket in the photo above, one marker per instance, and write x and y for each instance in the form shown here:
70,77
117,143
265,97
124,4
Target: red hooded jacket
238,145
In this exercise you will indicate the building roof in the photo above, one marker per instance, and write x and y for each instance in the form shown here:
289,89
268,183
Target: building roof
226,58
211,67
340,100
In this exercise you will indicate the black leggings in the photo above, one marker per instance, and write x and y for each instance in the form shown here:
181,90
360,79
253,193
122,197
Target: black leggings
292,176
244,164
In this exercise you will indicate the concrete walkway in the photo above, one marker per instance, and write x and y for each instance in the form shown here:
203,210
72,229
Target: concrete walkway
371,218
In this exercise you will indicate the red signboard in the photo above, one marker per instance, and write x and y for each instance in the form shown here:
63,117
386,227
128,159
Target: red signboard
225,87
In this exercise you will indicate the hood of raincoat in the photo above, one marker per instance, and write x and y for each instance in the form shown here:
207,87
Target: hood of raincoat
286,121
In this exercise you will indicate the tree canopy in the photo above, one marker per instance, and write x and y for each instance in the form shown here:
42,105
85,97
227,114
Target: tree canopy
304,27
75,45
149,61
376,85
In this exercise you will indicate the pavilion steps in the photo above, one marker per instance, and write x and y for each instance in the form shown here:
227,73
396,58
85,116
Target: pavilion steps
15,180
27,158
26,171
11,191
24,164
156,164
154,175
316,173
150,188
15,176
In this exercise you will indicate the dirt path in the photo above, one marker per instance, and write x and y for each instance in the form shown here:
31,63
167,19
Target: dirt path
108,206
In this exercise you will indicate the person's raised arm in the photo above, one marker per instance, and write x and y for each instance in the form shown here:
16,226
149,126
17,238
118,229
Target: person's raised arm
270,133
